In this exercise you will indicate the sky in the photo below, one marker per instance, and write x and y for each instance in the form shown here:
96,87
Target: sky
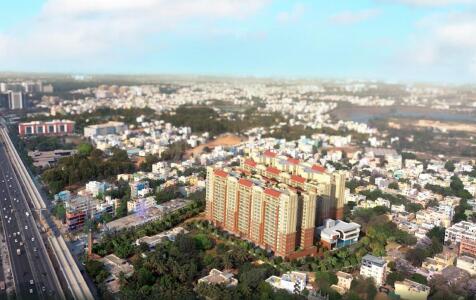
393,40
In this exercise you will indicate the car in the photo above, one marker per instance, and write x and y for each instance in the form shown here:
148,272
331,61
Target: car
26,227
31,281
35,249
32,239
43,288
16,241
31,291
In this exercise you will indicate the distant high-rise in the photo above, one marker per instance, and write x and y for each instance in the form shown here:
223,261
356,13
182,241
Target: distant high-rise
16,100
4,101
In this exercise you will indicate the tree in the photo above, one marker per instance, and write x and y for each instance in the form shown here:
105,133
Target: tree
96,270
450,166
85,149
437,232
59,211
393,185
203,242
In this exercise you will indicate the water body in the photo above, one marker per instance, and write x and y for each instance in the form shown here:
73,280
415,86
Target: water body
364,114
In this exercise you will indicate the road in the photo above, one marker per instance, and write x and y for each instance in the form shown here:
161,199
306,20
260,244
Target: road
34,278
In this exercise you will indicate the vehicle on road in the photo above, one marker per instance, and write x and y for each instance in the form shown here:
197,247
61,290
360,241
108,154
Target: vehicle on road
18,251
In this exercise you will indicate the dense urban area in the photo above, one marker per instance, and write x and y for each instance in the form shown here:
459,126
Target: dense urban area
237,188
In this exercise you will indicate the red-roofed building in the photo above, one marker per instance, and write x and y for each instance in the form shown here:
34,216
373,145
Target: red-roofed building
250,162
272,193
273,170
245,182
293,161
318,168
221,173
298,179
269,153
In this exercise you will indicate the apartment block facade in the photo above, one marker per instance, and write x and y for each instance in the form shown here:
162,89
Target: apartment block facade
275,209
54,127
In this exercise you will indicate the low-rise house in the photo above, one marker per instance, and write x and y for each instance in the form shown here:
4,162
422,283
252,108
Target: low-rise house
338,234
116,266
467,264
141,204
411,290
170,235
218,277
46,159
293,282
344,281
63,196
438,263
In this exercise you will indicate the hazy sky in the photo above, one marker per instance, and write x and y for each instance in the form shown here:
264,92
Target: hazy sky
423,40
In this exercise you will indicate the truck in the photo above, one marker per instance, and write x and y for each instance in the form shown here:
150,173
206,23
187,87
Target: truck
18,251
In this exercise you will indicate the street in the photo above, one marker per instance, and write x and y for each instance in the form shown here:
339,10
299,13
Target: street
32,275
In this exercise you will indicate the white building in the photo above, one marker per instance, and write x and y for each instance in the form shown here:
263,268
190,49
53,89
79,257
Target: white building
105,129
460,230
337,233
293,282
140,204
219,277
96,188
374,267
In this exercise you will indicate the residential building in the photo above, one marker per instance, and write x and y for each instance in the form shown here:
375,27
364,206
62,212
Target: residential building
54,127
438,263
277,217
374,267
218,277
141,205
462,230
467,246
344,281
105,129
411,290
63,196
467,264
329,187
96,188
338,234
170,235
293,282
137,186
77,212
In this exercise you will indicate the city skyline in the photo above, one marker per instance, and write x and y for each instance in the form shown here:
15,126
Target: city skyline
402,40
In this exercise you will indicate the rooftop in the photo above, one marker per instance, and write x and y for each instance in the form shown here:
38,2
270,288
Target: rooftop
374,259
